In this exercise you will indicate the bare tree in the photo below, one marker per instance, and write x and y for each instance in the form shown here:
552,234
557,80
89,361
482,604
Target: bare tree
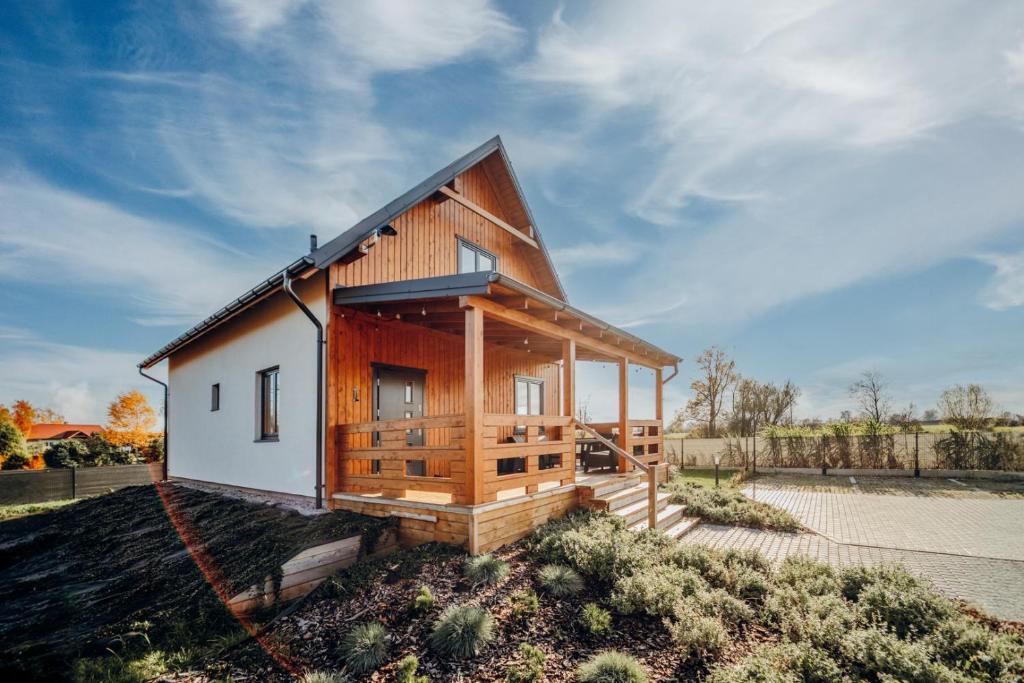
717,375
870,392
755,404
966,407
930,415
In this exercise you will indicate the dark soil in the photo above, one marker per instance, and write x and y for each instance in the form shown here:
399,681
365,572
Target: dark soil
383,590
107,572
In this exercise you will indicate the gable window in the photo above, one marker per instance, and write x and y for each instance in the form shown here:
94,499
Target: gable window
529,399
269,388
215,397
473,259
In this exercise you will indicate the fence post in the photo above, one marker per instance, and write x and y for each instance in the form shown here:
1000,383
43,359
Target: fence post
821,456
74,482
682,453
755,452
917,461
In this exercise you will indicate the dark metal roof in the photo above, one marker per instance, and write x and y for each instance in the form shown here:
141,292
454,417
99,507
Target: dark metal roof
467,284
350,239
270,284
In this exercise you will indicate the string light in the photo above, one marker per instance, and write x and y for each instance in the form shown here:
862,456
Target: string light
423,311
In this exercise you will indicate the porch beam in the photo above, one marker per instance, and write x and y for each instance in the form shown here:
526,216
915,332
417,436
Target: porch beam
623,412
550,329
487,215
474,407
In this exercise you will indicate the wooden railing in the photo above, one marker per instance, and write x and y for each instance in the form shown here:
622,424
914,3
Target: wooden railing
527,451
645,438
395,456
655,472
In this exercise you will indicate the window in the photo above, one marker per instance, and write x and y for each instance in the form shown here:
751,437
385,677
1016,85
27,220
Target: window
473,259
515,465
269,391
215,397
529,399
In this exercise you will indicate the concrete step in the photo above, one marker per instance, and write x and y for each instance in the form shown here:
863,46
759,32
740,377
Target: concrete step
634,512
613,484
683,527
668,516
623,497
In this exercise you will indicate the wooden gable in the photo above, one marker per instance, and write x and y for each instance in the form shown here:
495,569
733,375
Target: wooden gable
482,205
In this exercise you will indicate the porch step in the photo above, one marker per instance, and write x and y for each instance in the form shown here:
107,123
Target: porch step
668,516
621,498
609,486
683,527
634,512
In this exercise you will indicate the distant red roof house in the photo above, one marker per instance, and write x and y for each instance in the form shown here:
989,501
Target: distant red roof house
56,432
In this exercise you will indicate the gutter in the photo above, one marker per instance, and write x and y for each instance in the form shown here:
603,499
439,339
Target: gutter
675,371
167,410
286,285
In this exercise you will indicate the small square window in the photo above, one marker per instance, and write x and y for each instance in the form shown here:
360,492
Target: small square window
549,462
474,259
511,466
215,397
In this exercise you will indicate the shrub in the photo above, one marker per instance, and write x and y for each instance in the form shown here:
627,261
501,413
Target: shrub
365,647
875,653
894,597
967,646
611,667
462,631
12,446
655,591
524,604
749,585
406,672
322,677
66,453
695,634
532,668
729,610
784,663
807,575
746,558
485,570
424,601
722,506
559,581
595,620
822,620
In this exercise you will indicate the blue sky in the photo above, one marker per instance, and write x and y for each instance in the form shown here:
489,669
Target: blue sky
821,188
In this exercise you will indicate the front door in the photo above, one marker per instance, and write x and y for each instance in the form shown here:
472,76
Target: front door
399,395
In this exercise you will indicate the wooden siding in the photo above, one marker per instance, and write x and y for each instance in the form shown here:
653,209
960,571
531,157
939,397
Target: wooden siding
426,244
357,342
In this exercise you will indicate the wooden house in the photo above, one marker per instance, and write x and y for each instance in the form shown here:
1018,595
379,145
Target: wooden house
443,390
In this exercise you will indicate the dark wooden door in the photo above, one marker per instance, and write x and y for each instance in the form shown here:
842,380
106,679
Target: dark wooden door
399,395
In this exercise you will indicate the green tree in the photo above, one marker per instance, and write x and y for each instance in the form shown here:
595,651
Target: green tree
13,452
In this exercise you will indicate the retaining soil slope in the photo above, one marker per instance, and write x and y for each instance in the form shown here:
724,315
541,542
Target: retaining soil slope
74,578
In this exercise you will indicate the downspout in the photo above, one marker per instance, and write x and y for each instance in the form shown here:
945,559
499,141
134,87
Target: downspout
167,410
286,285
675,371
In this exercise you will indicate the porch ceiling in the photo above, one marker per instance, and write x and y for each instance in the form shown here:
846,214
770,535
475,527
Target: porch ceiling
517,316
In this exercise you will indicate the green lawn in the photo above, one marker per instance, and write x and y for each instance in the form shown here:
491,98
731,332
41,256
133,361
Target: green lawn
13,511
704,478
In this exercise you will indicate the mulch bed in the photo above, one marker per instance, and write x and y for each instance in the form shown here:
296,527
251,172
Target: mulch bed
384,591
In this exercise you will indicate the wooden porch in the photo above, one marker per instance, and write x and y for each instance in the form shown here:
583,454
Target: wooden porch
479,467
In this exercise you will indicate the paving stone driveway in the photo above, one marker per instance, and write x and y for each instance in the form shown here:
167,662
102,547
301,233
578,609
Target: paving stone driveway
967,540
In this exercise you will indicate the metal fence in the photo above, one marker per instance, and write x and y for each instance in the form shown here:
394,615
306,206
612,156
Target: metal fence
38,486
982,450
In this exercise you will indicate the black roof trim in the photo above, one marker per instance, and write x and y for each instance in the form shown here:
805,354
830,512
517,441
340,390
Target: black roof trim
465,284
271,283
468,284
350,239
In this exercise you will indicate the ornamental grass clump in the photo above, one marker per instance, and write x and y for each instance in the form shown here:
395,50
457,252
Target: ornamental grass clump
424,601
595,620
524,604
611,667
531,669
485,570
365,648
462,631
559,581
406,672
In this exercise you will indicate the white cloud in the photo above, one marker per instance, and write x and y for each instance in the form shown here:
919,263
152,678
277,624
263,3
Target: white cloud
842,141
171,274
587,254
76,381
1006,288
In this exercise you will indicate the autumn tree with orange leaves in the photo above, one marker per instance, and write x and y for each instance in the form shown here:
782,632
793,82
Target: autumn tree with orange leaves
131,420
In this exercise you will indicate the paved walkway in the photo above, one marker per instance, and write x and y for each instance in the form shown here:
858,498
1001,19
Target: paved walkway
968,542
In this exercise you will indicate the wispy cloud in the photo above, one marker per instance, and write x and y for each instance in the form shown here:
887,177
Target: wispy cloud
587,254
171,274
1006,288
838,158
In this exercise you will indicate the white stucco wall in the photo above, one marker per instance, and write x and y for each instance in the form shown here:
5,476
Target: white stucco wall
221,446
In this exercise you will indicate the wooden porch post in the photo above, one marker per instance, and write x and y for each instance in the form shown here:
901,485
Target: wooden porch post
658,399
624,412
569,400
474,406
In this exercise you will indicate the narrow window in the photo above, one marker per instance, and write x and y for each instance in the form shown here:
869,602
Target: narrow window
269,390
473,258
215,397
